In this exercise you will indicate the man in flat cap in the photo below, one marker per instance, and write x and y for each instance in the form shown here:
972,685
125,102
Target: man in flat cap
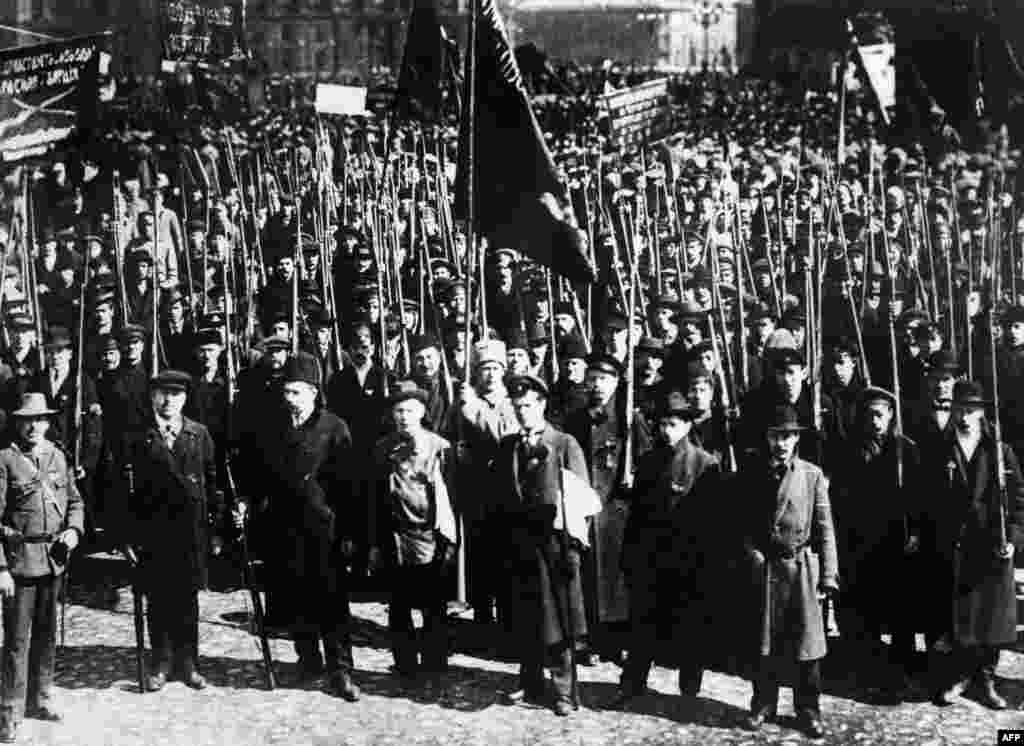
42,519
1010,376
544,596
789,544
20,361
413,532
877,503
169,502
304,494
600,429
429,375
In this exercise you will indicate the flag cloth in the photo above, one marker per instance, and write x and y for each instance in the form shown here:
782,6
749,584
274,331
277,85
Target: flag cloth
423,65
581,502
518,195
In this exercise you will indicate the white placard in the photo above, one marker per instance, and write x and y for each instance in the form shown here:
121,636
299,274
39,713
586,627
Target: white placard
340,99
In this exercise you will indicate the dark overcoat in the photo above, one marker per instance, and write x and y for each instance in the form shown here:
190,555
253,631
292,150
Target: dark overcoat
307,484
874,517
170,501
790,545
974,594
524,505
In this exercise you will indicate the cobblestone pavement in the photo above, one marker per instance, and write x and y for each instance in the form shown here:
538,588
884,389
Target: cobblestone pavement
102,705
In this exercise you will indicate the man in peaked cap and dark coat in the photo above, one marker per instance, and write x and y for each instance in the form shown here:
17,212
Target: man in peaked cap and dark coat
788,540
544,596
600,431
877,502
1010,377
170,500
306,491
430,376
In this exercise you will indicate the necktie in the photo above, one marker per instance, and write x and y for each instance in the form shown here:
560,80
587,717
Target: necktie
169,436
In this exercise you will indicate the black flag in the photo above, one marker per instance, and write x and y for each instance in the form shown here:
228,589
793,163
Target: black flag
519,198
423,65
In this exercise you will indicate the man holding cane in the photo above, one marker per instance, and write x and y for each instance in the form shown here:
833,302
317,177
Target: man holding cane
42,522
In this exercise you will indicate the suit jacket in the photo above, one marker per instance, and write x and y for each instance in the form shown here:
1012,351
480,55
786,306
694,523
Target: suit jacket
170,500
35,502
62,424
524,504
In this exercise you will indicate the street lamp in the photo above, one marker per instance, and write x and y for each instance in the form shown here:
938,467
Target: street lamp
709,14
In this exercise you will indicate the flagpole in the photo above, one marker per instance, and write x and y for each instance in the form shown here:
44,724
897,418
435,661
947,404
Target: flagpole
471,245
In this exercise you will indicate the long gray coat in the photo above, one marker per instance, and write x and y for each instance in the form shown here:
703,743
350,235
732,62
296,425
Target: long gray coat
790,544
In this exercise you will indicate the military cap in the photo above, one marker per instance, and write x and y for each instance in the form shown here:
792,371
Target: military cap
690,312
20,322
669,410
913,317
1013,315
783,357
207,337
302,368
572,347
47,234
439,263
969,394
276,342
58,339
321,318
652,346
171,297
616,320
669,301
516,339
308,244
406,390
212,319
537,335
943,361
847,346
196,225
794,318
761,265
564,308
130,333
520,385
171,380
364,291
760,311
926,330
784,418
695,371
877,393
66,233
604,364
106,343
420,342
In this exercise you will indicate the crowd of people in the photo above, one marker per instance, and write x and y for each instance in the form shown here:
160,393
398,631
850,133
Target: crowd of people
795,394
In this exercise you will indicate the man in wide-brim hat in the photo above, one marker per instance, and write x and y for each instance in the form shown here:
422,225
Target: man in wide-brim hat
790,544
38,529
973,527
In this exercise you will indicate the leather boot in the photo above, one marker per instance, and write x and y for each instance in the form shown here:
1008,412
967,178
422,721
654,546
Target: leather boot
8,731
342,686
987,693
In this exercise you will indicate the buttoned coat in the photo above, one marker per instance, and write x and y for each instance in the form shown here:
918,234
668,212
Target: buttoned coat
171,501
790,544
974,590
306,477
532,549
33,502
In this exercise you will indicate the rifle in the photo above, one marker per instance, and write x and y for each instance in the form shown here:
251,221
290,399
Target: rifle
998,428
248,579
138,612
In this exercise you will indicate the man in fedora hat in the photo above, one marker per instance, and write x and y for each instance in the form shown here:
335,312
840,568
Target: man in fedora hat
788,540
973,528
41,522
876,501
170,501
412,531
303,490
